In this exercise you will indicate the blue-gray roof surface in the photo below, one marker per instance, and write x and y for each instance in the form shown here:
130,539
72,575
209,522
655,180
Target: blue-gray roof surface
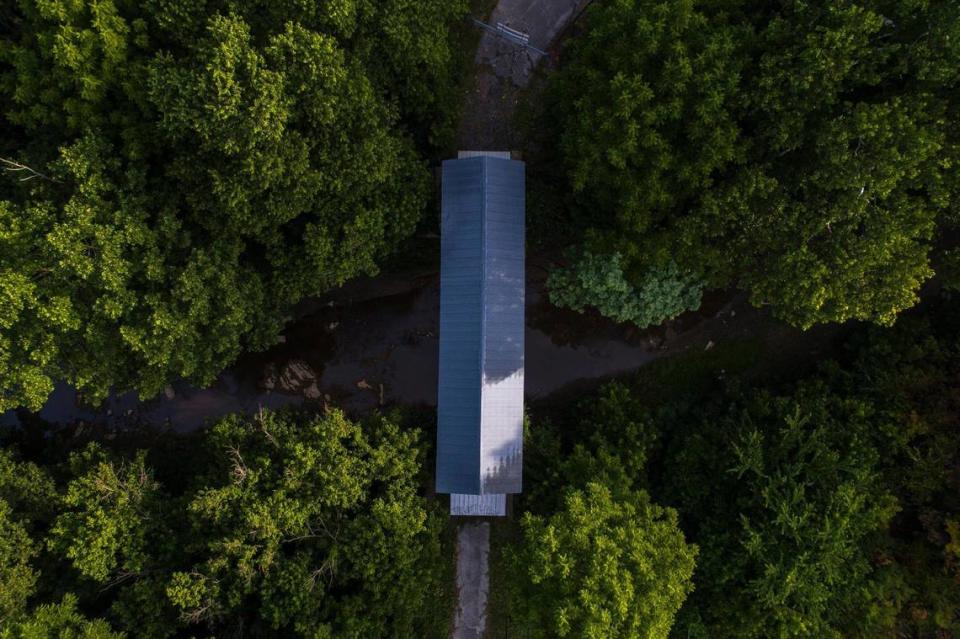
480,394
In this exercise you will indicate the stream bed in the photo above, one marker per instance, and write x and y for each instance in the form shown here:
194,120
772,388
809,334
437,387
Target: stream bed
373,343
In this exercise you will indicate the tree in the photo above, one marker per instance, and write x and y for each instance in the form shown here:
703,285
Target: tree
950,269
784,495
316,525
291,523
60,620
910,374
204,167
28,500
801,152
599,281
649,88
825,507
602,566
610,440
17,576
113,518
793,498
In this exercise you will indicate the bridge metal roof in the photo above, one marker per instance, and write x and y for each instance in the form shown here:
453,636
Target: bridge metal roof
480,393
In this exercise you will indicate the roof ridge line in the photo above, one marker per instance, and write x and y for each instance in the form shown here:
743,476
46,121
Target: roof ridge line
483,308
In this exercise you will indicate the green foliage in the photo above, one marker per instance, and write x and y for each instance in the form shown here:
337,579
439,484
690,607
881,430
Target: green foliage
28,500
911,374
200,168
28,489
599,281
595,557
950,270
650,86
784,496
830,251
113,518
796,502
288,524
788,556
17,577
318,520
611,444
602,566
827,507
800,151
59,621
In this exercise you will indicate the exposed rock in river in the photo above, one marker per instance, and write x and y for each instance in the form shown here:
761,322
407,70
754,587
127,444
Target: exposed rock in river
296,376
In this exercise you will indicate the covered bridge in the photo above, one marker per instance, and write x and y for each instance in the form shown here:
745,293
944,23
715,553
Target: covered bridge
480,394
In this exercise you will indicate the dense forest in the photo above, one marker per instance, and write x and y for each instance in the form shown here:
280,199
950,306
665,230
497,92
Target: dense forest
198,168
805,152
696,498
177,175
823,506
282,524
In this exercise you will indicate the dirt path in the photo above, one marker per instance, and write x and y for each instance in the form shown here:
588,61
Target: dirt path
504,69
473,580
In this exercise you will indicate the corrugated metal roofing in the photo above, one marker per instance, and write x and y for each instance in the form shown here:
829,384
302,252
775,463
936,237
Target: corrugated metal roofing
480,395
494,505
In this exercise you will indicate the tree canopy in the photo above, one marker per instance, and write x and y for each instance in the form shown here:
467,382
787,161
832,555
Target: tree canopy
822,504
599,281
801,151
282,524
181,173
802,498
61,620
602,566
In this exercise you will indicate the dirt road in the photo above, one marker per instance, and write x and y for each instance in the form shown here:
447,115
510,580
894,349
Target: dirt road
503,69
